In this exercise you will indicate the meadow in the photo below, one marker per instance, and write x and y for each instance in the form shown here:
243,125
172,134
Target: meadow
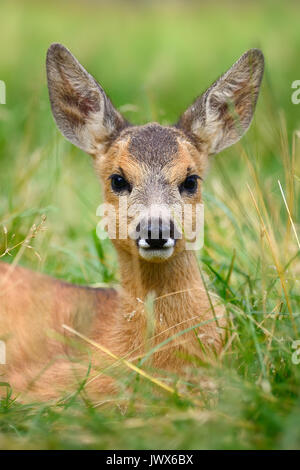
153,59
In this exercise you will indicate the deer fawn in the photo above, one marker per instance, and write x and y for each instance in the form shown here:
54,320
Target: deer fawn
148,164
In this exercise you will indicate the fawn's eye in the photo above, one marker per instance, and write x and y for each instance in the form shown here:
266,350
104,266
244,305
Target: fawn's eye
190,184
119,183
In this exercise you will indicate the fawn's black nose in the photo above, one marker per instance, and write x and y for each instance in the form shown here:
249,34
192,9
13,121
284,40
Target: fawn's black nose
159,234
156,243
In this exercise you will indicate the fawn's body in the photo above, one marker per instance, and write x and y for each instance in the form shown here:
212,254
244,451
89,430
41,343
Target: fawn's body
148,165
115,319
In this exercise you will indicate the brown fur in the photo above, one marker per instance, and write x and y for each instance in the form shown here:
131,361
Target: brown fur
42,359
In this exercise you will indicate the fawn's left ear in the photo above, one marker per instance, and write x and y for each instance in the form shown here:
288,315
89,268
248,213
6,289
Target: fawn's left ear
221,116
81,109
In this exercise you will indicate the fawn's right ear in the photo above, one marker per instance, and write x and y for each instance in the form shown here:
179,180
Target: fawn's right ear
81,109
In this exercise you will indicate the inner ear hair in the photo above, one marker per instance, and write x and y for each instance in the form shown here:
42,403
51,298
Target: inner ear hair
222,115
83,112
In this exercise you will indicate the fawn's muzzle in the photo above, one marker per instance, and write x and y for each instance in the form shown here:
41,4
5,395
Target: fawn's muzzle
156,238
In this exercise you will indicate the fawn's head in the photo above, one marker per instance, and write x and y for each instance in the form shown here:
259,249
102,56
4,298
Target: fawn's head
153,167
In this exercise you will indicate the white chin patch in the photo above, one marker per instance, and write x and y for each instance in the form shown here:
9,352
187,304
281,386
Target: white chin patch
151,254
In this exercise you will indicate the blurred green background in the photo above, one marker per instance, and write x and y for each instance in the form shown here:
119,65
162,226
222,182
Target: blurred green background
153,58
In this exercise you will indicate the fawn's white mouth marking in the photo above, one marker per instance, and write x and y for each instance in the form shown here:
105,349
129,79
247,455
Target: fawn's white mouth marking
149,253
144,244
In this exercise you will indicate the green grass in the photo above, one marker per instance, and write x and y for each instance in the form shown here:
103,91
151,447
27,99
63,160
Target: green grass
157,59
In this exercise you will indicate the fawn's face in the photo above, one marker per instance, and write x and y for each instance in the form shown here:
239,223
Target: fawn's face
156,171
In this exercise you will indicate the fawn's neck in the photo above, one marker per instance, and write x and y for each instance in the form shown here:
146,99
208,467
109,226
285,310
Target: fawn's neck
176,286
180,303
139,277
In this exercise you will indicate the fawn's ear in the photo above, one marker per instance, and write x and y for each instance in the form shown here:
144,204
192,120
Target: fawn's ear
81,109
224,112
